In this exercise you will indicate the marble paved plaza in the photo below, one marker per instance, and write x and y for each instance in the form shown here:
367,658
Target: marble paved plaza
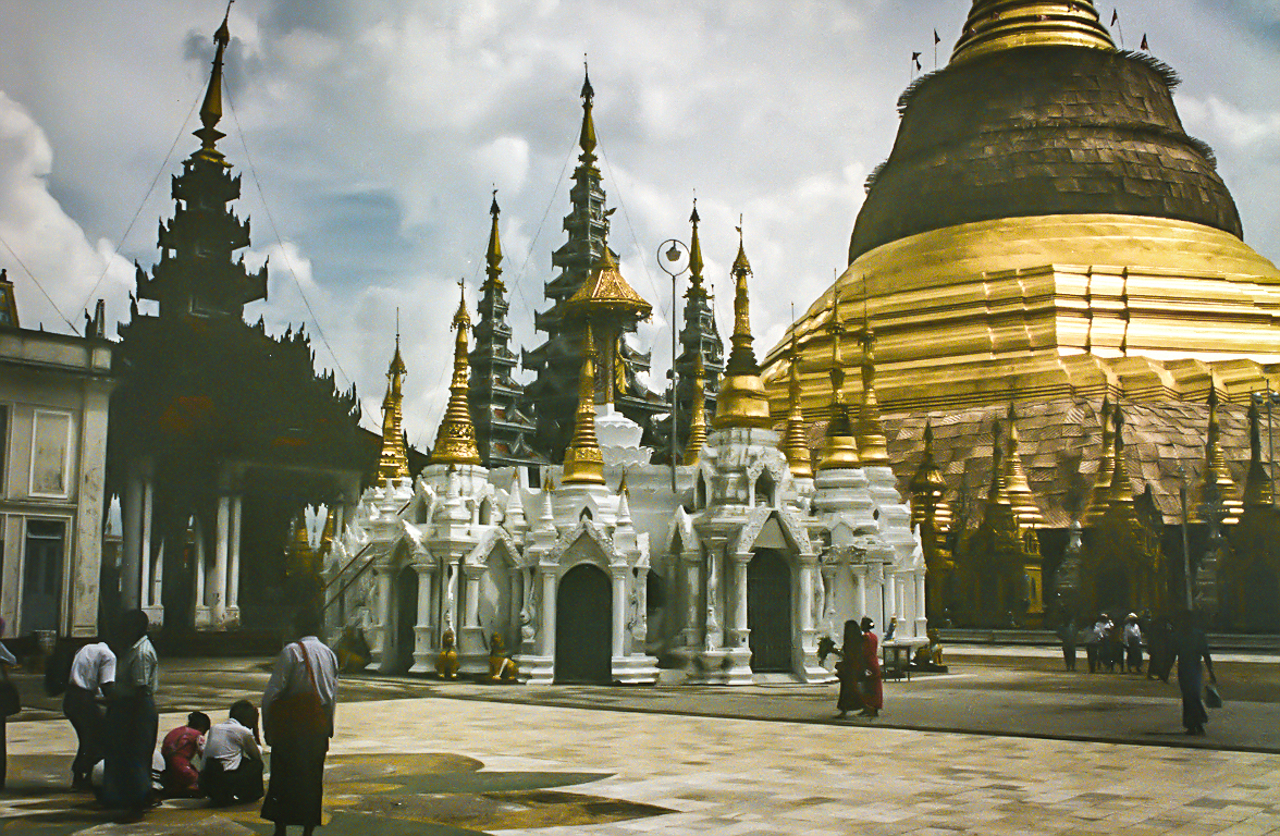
430,765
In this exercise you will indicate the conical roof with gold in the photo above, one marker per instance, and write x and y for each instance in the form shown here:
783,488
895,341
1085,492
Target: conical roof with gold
456,438
605,290
1041,212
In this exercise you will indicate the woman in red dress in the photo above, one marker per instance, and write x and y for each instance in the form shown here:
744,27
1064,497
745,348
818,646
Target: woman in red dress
871,686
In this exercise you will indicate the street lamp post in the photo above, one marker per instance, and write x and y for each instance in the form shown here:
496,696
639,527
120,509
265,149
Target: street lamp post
673,258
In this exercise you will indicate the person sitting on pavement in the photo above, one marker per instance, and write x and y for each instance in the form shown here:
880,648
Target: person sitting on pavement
180,747
232,771
1132,644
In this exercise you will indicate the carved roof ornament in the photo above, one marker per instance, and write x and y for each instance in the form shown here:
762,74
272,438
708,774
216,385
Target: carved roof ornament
742,403
929,488
1258,491
456,438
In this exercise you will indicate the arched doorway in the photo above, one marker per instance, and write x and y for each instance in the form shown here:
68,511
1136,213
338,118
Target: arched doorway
769,612
406,617
584,640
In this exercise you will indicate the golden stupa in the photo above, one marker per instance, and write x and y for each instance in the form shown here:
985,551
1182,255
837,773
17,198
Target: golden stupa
1044,228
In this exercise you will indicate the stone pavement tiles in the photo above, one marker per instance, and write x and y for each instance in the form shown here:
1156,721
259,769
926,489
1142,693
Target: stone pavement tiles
440,766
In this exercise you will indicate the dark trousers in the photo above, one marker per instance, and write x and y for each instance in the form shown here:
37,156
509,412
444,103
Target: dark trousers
87,719
4,755
237,786
296,789
1069,656
1091,652
131,725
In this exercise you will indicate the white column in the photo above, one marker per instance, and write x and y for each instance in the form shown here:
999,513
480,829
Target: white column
547,637
131,562
693,594
740,563
619,611
233,583
922,621
218,578
473,596
451,598
157,587
423,643
515,601
860,579
382,635
144,586
202,600
806,599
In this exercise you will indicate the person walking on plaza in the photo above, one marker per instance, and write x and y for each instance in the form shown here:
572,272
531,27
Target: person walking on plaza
297,716
1190,646
1160,643
849,670
232,772
871,686
1097,641
181,746
131,722
10,693
92,674
1067,633
1132,644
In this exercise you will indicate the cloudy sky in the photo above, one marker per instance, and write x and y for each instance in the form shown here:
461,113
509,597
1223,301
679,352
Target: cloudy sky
370,133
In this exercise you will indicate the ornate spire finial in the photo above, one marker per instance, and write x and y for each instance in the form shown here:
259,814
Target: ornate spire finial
795,441
393,460
583,462
211,108
1216,469
997,25
841,447
928,491
742,402
456,438
695,249
1017,488
872,444
587,137
493,257
698,420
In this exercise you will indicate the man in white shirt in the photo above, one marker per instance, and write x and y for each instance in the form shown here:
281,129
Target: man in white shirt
297,714
232,760
93,673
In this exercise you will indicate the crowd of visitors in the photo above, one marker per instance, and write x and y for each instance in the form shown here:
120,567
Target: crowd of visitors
108,694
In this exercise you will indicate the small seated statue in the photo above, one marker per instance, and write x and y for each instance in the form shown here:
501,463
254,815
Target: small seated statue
447,661
501,668
929,657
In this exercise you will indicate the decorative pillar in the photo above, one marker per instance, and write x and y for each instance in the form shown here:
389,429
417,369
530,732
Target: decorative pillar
218,578
713,636
619,611
156,611
740,634
422,632
693,593
144,548
202,587
515,601
860,589
450,596
472,601
233,583
380,648
806,601
547,639
131,562
922,623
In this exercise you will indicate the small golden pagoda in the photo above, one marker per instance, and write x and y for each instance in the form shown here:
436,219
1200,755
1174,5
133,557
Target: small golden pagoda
583,461
456,438
871,441
795,438
393,461
840,447
608,305
1014,480
741,403
698,419
1217,478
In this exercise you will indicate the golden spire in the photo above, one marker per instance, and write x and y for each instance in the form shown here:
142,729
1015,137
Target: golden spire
997,493
393,462
493,258
587,137
795,439
872,445
1216,464
742,403
695,250
211,108
1015,481
997,25
929,489
1257,487
840,448
583,463
301,558
456,438
698,414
